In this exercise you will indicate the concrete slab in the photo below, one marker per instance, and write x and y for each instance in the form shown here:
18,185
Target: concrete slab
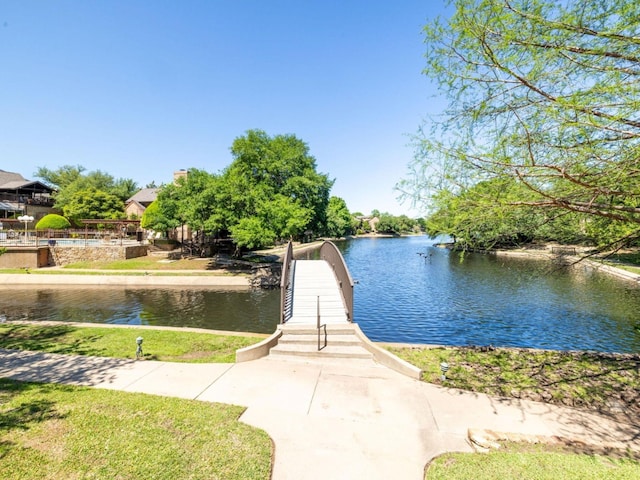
282,387
332,419
179,379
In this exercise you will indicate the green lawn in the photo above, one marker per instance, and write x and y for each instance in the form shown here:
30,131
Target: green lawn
531,463
596,381
165,345
63,432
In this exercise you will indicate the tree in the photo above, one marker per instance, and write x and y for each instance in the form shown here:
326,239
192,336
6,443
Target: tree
339,220
53,221
153,219
69,180
93,204
544,93
273,182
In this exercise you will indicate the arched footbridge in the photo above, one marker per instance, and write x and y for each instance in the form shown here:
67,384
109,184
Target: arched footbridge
316,315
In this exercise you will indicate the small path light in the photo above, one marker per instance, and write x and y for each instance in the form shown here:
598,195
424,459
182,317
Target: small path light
444,367
139,353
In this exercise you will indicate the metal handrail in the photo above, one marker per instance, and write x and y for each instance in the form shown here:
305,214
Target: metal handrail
319,327
330,253
285,281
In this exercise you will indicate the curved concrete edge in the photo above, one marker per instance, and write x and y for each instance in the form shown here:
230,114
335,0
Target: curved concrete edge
483,440
386,358
615,271
126,280
260,349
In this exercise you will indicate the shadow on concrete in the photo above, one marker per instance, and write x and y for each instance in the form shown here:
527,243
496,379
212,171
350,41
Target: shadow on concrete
46,368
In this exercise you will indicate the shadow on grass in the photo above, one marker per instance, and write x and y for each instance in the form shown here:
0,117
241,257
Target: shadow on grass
22,414
46,338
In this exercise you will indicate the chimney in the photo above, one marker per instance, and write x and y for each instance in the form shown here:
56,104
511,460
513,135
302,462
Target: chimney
182,173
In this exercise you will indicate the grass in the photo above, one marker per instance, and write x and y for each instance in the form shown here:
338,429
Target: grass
629,261
164,345
143,263
531,463
605,383
57,431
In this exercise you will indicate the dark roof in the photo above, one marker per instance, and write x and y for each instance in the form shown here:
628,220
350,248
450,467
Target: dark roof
15,182
145,196
7,177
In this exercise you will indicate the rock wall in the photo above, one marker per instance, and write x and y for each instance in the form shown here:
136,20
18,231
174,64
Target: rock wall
65,255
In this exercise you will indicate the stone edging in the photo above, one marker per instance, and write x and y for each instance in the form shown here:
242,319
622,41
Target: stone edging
483,441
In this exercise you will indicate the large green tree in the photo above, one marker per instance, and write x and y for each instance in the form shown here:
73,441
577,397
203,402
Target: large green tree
546,94
92,203
70,180
270,191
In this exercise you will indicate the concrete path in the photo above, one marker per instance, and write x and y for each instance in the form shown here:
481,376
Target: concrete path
333,419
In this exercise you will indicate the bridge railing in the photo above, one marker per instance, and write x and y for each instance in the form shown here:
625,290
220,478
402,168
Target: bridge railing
285,280
330,253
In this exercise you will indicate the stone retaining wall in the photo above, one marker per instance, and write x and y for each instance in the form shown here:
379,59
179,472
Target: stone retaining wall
65,255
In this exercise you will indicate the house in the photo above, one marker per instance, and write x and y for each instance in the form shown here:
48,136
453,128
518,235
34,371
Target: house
19,196
136,205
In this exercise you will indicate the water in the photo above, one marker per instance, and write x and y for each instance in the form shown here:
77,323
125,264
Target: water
402,296
411,291
217,309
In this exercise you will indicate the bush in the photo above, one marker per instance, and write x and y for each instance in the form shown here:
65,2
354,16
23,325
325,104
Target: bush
53,221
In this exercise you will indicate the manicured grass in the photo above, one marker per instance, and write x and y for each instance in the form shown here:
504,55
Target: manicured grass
144,263
59,432
165,345
529,463
601,382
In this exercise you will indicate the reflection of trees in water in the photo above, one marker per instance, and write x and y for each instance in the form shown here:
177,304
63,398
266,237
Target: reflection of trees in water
255,311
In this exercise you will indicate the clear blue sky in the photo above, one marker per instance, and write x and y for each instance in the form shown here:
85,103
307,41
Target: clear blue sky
139,89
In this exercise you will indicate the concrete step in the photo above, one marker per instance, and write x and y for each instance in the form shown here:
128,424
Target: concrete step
312,339
310,328
330,351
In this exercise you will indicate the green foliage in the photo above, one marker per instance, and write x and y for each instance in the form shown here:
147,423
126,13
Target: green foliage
153,219
339,220
93,204
53,221
270,191
545,93
71,180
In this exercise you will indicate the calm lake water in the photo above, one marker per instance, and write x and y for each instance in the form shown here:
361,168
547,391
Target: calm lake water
403,296
408,291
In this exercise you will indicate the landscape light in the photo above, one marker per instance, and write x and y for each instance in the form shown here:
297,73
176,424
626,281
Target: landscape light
139,353
26,219
444,367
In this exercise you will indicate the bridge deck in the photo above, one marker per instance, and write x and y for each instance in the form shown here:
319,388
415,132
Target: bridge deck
313,279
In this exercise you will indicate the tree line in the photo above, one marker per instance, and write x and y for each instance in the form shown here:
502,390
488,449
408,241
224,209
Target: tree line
270,192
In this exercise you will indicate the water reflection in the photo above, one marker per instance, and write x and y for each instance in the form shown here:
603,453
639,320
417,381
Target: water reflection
410,291
221,309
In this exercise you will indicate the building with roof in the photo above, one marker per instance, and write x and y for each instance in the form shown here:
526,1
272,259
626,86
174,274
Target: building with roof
136,205
19,196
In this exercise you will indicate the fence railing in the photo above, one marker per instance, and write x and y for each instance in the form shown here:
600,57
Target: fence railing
286,288
330,253
77,237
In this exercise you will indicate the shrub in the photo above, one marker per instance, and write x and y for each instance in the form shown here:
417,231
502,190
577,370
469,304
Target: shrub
53,221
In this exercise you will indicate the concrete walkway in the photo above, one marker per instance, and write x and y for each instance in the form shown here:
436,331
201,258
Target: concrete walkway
338,420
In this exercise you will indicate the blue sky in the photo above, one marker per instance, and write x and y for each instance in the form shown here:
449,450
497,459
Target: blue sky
139,89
